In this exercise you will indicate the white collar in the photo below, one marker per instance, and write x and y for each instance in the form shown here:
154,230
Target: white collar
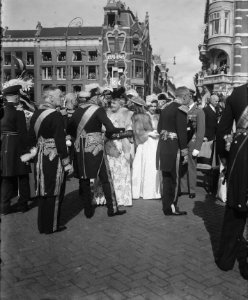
191,105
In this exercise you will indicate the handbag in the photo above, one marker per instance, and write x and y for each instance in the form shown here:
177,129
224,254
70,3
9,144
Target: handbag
221,192
205,156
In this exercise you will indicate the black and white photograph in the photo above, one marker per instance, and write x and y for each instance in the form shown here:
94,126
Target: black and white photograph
124,150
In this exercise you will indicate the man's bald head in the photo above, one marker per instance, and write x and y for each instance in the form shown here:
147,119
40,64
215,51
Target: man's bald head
214,100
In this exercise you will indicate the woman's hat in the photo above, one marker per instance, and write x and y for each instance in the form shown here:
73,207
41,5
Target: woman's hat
138,101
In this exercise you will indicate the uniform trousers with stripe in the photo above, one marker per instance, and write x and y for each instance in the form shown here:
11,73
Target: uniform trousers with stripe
107,186
49,211
171,181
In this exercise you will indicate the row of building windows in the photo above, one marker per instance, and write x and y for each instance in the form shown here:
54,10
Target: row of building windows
75,72
46,56
219,23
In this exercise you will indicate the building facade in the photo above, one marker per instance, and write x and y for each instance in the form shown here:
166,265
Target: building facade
224,52
116,54
127,53
66,57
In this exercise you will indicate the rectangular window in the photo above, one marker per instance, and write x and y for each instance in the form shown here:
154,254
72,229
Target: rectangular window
30,74
139,69
92,72
92,56
46,73
30,58
76,56
6,75
226,22
18,54
61,56
76,72
46,56
7,58
214,21
62,88
61,74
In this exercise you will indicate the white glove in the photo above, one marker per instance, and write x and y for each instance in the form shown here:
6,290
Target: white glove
195,152
68,143
28,156
69,169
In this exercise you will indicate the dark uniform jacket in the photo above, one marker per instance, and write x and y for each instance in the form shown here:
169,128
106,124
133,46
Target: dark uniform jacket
196,115
14,141
52,152
88,153
172,119
211,122
237,157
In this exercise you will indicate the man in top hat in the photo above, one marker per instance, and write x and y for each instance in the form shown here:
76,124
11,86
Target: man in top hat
14,140
172,149
85,127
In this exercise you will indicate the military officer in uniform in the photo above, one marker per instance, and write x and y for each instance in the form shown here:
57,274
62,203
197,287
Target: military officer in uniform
172,149
48,143
197,119
14,142
85,127
233,152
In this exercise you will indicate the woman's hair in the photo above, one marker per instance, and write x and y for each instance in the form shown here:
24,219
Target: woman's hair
138,109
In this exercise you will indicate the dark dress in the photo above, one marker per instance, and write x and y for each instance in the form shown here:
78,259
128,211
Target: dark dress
232,244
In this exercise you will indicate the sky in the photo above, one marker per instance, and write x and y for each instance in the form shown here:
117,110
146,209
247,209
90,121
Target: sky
176,26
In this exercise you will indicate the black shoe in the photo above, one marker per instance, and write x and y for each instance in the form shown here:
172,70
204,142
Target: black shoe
59,229
192,195
117,213
243,269
9,210
22,208
89,212
177,212
182,194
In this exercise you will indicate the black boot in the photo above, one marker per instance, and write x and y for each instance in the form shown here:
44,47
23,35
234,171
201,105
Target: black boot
117,213
243,269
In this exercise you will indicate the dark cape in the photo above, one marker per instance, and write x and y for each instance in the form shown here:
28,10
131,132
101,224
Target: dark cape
237,157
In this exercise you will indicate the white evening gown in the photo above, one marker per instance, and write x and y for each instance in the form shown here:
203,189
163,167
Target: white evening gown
146,180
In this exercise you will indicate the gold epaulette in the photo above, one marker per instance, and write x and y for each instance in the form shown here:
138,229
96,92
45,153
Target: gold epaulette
184,108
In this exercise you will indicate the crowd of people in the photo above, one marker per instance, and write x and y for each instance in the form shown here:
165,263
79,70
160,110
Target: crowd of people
121,148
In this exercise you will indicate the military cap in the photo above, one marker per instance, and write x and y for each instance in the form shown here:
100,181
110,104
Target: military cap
12,90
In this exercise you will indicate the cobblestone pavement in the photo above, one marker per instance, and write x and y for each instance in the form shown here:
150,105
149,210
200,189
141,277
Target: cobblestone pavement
140,255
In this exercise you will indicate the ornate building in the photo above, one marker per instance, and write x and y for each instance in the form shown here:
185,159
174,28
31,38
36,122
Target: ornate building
127,53
224,52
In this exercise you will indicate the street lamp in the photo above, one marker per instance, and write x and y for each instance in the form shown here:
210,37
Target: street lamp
79,24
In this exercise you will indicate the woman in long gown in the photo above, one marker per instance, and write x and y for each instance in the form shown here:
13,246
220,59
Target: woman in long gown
119,154
145,178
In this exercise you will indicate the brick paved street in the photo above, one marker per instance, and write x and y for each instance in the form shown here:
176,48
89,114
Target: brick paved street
140,255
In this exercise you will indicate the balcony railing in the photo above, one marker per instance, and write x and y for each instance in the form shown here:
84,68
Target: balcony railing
214,79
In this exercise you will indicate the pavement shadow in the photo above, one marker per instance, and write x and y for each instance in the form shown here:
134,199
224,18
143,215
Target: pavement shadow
71,207
211,212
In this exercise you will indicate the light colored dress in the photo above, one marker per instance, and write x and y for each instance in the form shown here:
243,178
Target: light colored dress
146,179
119,158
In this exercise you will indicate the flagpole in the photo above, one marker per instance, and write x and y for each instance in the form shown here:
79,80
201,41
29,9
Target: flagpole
66,44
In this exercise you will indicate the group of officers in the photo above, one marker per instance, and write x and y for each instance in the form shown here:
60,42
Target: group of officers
46,144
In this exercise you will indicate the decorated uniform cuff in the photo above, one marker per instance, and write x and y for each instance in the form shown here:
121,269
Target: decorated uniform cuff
184,152
65,161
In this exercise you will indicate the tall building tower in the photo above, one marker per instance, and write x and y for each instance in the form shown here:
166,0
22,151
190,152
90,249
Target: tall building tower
127,53
224,52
